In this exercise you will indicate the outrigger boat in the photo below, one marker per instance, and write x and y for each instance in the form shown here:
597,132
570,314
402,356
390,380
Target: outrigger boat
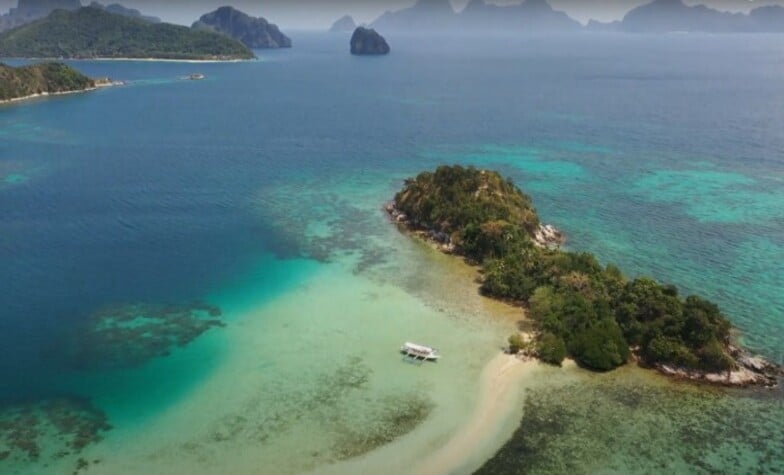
420,352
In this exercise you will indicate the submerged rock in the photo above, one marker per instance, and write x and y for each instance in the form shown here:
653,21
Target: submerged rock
366,41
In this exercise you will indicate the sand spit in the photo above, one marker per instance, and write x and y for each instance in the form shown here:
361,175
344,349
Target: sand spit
499,387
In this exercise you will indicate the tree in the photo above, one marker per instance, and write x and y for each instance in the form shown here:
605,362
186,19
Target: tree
551,348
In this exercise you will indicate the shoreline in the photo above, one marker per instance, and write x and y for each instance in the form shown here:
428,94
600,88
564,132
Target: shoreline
98,85
498,398
751,371
156,60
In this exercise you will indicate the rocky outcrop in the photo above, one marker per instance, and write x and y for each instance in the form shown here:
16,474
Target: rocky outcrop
366,41
343,25
253,32
548,236
441,239
749,371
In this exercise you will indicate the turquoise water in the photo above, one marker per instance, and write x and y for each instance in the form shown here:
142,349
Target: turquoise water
258,192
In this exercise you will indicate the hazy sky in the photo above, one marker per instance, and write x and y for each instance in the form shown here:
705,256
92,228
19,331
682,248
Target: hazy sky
319,14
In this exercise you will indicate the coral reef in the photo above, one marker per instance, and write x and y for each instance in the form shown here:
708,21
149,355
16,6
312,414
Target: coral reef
129,335
52,428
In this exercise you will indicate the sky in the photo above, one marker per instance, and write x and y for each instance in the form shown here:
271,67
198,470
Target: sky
319,14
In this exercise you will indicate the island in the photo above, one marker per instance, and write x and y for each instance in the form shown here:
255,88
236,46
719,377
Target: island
43,79
93,33
580,308
366,41
343,25
252,32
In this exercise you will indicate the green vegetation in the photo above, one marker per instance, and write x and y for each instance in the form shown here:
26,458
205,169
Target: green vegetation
516,343
581,308
94,33
40,78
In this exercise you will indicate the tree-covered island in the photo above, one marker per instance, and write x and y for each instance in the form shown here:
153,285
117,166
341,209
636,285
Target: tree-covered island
43,78
581,309
89,33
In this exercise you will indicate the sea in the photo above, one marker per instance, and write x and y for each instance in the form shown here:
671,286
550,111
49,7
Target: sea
199,277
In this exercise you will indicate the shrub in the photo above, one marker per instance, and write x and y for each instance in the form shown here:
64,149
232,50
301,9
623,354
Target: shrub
551,348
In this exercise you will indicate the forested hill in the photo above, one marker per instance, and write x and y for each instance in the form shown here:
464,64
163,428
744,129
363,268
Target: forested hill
95,33
40,78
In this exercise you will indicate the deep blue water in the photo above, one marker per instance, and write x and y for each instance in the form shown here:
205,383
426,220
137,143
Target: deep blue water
664,154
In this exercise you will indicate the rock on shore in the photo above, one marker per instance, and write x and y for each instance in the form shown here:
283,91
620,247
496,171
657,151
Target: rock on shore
750,371
548,236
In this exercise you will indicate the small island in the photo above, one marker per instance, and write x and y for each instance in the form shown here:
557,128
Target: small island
94,33
26,82
366,41
581,309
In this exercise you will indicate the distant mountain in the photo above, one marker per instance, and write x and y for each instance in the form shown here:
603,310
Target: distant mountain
768,19
438,15
118,9
31,10
528,16
253,32
95,33
43,78
343,25
424,16
674,15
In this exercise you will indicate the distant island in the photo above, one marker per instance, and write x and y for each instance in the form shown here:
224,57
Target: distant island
43,79
28,11
90,33
581,309
366,41
252,32
537,16
344,24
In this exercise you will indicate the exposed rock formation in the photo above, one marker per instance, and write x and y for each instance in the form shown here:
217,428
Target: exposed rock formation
367,41
253,32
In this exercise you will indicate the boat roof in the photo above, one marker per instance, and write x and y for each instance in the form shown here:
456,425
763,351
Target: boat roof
416,347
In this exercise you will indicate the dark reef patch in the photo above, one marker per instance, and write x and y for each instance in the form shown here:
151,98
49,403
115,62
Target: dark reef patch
621,426
49,429
129,335
397,416
338,405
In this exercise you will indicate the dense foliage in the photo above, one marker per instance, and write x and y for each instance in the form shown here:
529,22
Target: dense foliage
40,78
94,33
588,311
481,212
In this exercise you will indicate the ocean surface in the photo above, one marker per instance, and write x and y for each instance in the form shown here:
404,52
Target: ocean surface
197,276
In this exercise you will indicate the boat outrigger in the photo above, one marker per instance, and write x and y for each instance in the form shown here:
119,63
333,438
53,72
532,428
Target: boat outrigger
420,352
